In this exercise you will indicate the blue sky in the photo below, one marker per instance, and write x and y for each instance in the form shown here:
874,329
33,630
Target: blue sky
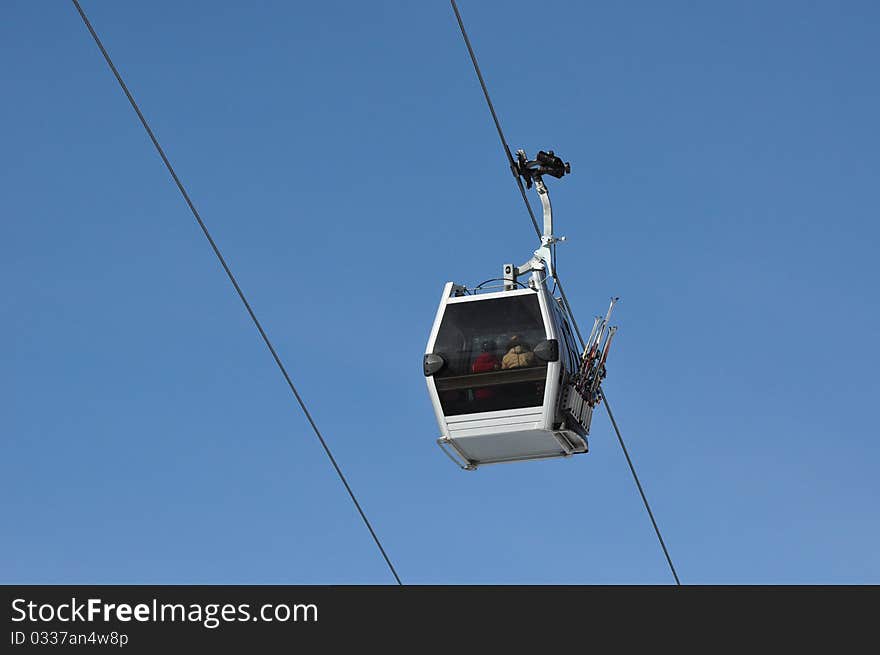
725,176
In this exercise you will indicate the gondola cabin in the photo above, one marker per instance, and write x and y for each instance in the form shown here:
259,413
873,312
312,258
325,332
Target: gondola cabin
500,369
505,376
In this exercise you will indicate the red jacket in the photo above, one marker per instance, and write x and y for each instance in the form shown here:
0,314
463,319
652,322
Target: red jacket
484,363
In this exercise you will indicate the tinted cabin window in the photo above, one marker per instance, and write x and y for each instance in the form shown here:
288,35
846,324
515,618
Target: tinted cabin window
490,366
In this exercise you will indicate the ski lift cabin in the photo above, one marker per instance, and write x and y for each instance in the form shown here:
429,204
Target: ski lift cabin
498,366
505,376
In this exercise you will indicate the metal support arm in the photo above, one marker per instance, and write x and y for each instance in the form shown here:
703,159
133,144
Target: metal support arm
542,259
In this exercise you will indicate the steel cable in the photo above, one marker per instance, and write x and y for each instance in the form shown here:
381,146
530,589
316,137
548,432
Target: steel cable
238,290
565,302
639,485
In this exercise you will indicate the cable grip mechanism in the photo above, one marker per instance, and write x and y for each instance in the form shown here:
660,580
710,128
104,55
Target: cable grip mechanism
545,163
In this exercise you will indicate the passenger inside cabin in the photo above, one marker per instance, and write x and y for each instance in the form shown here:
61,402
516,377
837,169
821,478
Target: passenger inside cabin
485,362
519,354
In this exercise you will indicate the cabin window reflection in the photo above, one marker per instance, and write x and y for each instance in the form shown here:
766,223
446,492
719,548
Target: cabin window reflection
488,348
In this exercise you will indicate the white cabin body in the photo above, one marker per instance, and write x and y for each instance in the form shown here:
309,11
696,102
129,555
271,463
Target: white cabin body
499,368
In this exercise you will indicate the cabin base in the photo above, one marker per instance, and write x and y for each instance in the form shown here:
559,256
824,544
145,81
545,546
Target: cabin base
472,451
